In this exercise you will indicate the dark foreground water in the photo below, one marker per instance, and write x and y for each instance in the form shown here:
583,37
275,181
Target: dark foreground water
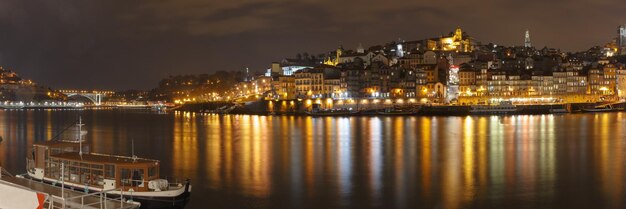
539,161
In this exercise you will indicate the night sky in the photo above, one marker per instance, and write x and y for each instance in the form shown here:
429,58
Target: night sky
134,43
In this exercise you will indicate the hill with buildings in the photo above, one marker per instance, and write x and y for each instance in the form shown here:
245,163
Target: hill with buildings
450,69
15,88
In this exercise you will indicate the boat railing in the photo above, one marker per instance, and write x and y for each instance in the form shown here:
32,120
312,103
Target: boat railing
90,200
30,164
4,172
175,182
171,183
62,200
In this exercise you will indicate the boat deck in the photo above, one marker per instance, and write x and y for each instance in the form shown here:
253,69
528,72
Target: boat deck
72,199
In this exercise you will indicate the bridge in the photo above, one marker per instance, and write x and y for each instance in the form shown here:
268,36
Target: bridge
94,96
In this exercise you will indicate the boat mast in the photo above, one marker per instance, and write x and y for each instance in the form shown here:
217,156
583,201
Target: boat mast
133,149
80,136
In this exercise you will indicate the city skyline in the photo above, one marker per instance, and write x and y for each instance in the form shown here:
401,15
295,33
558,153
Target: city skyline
82,45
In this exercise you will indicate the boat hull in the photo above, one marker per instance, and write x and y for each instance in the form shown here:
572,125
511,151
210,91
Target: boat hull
601,110
492,112
178,202
147,202
332,113
397,113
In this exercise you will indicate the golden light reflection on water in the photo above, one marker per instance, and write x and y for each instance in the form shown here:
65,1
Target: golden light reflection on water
393,162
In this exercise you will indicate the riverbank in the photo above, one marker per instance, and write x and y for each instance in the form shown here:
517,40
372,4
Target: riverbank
296,107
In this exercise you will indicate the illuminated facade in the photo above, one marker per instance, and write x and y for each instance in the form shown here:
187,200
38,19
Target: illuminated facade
317,83
287,87
621,82
334,61
567,84
458,42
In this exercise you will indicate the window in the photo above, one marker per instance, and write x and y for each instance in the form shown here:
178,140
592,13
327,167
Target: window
109,171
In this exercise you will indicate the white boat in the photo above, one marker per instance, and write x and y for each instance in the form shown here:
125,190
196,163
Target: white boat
602,108
70,163
559,110
504,107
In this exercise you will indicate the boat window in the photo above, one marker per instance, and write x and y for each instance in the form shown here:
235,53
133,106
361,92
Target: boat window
132,177
125,177
109,171
152,172
55,151
97,177
138,177
54,169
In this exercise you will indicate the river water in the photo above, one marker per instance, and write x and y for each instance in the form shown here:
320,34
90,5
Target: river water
240,161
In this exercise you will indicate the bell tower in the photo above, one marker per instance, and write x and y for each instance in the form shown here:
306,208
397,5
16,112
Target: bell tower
458,34
527,39
621,39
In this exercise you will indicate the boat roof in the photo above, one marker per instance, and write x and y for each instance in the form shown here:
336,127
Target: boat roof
104,159
58,143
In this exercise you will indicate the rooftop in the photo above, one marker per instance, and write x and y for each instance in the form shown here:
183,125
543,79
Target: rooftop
101,158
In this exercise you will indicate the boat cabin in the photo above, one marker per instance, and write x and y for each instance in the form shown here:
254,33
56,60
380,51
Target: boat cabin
103,172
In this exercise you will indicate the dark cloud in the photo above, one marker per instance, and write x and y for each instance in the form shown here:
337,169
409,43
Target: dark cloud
132,44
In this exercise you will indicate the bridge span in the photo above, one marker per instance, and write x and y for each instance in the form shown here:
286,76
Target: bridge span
94,96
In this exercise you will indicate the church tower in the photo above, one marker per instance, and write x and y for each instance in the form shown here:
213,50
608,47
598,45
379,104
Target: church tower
334,62
360,49
458,34
621,39
527,39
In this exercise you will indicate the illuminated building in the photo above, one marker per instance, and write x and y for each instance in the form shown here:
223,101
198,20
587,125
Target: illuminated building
596,80
418,58
457,41
287,87
467,81
527,39
541,85
287,67
334,61
364,57
332,85
309,82
317,82
602,81
352,81
576,82
621,82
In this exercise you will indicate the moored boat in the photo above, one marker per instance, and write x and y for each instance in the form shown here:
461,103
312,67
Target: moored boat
397,111
332,112
504,107
559,109
602,108
70,162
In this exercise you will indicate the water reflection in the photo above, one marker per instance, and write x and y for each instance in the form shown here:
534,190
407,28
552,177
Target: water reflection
529,161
